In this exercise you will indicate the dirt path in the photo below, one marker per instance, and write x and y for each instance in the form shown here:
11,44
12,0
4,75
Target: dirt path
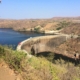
6,73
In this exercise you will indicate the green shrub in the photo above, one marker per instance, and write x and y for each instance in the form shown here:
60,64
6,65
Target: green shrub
12,57
58,28
37,29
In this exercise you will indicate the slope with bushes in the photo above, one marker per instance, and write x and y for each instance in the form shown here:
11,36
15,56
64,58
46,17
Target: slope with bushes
37,68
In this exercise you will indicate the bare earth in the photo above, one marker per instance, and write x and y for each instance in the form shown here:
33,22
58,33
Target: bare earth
6,73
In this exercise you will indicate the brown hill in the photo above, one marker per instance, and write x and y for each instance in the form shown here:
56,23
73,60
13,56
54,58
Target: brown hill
74,28
71,46
20,24
46,24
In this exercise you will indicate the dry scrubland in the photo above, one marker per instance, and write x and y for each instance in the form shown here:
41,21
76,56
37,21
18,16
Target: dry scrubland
40,68
37,68
71,46
66,25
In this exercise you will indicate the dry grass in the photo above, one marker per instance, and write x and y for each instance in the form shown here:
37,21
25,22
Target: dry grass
42,69
71,46
74,28
39,68
46,24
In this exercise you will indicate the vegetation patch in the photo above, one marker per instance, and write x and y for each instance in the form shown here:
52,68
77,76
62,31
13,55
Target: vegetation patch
62,24
13,58
38,68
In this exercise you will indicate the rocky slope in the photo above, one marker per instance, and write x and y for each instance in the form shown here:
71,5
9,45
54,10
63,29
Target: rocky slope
74,28
71,46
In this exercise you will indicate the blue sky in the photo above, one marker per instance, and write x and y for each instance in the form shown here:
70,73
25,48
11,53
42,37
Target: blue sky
27,9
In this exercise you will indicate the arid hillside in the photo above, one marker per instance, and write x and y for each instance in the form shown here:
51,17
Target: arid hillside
71,46
16,65
74,28
9,74
68,25
22,24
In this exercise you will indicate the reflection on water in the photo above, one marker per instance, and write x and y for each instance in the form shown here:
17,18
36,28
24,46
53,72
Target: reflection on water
11,37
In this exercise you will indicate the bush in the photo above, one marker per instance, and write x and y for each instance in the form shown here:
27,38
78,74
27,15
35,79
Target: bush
12,57
37,29
58,28
62,24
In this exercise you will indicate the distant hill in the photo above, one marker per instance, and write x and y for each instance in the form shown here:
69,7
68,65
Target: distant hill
74,28
46,24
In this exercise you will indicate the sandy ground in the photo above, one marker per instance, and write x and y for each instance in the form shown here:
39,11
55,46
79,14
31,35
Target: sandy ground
6,73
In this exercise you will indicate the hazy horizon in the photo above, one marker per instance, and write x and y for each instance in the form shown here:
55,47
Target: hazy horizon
39,9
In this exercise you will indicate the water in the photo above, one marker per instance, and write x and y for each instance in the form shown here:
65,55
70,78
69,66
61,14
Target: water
11,37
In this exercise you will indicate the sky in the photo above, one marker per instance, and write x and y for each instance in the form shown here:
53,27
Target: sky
39,9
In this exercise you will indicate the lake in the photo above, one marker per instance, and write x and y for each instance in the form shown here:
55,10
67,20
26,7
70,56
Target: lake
11,37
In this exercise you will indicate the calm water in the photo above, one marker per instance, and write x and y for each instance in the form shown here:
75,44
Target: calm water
11,37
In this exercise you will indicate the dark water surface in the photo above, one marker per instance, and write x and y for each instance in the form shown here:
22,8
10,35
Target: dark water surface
11,37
